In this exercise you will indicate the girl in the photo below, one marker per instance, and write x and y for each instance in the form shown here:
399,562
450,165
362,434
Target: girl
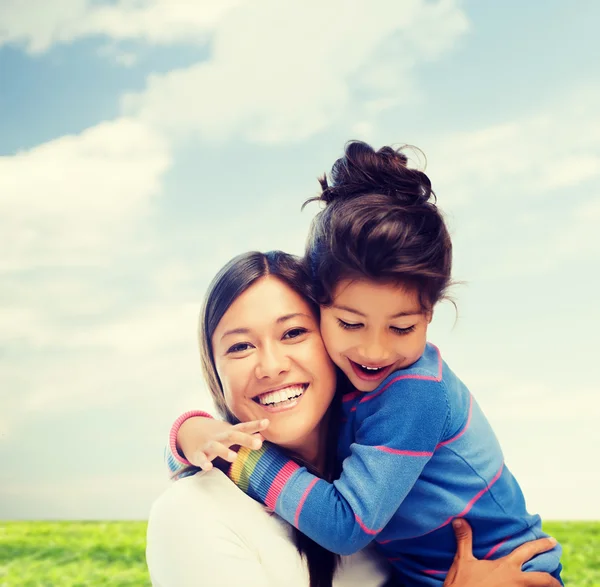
417,451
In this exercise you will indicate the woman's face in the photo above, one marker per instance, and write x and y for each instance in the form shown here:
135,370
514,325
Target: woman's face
272,363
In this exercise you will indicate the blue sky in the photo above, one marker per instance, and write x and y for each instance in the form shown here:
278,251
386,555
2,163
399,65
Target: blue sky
142,144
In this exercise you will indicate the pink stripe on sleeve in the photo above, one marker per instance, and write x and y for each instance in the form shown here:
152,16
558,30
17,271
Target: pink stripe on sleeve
464,429
404,453
278,483
466,510
348,397
433,572
175,430
364,528
302,500
493,550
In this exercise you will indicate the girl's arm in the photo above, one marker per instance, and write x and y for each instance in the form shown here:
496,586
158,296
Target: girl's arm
397,434
196,439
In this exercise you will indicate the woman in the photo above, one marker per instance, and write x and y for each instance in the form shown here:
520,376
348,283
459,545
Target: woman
204,530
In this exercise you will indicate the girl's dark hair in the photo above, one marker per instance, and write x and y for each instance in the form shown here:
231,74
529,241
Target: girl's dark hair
380,222
231,281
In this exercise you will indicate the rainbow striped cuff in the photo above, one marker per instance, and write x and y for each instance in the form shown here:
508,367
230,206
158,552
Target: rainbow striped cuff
263,473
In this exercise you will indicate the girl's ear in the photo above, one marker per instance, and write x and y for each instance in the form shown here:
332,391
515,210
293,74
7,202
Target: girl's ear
429,316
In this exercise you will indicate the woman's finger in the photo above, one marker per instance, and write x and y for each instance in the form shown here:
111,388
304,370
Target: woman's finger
215,449
251,441
252,426
536,579
464,539
528,550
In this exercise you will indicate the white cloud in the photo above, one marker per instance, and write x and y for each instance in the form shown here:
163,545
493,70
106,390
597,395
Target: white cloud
556,146
285,71
39,24
75,199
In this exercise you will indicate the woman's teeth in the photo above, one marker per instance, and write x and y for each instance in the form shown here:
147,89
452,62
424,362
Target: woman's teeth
281,395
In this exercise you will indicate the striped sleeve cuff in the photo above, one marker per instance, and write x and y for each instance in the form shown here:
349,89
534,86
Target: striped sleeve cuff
177,464
262,474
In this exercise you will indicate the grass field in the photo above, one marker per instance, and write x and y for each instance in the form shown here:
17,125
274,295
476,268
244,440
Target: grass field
77,554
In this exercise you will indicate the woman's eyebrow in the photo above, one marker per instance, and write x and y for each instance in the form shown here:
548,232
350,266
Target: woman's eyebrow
235,331
278,321
290,316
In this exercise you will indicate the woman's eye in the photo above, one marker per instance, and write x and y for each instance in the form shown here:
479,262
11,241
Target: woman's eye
294,333
349,325
402,330
240,347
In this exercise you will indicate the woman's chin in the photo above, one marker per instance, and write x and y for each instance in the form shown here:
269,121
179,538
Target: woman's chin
288,435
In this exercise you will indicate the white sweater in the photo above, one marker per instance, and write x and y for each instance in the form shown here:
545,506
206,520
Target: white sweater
203,531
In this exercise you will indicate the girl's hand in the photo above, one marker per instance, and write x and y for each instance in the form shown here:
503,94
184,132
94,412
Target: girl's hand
467,571
202,440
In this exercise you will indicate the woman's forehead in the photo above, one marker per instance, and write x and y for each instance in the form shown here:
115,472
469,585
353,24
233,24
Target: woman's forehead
263,304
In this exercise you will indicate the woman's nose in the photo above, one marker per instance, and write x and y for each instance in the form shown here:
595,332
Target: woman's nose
272,362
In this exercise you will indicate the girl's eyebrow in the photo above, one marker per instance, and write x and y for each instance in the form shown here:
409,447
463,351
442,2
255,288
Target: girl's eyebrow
398,315
348,309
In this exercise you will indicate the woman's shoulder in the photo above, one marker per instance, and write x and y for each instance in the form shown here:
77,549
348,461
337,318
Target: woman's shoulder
206,510
203,494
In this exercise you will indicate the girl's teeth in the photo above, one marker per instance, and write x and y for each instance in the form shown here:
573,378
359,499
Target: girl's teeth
371,368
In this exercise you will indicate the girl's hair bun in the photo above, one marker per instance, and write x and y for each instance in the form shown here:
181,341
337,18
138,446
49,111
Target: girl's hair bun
362,170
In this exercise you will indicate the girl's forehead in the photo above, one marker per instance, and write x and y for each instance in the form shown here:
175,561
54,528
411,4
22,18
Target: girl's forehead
368,296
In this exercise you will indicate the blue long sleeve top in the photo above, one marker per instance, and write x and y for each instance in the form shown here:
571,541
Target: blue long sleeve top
417,452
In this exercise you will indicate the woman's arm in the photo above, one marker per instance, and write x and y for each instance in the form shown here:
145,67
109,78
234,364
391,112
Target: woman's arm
467,571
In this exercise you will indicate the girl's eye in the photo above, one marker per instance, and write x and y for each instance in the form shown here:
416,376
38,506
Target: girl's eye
240,347
402,330
294,333
349,325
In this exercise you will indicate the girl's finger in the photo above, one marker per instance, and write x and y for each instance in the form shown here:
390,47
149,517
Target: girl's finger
528,550
251,441
199,459
464,539
253,426
215,449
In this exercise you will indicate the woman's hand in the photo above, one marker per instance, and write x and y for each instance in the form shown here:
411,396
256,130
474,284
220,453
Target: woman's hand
467,571
202,440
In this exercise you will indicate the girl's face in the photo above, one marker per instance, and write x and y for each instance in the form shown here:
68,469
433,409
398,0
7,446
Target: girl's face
272,363
372,329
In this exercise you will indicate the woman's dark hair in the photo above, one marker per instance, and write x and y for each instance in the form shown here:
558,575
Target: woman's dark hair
232,280
380,222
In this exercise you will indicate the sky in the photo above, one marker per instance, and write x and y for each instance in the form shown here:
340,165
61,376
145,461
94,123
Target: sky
143,143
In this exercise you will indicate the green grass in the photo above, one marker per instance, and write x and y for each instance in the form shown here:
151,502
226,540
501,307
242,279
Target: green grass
72,554
77,554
